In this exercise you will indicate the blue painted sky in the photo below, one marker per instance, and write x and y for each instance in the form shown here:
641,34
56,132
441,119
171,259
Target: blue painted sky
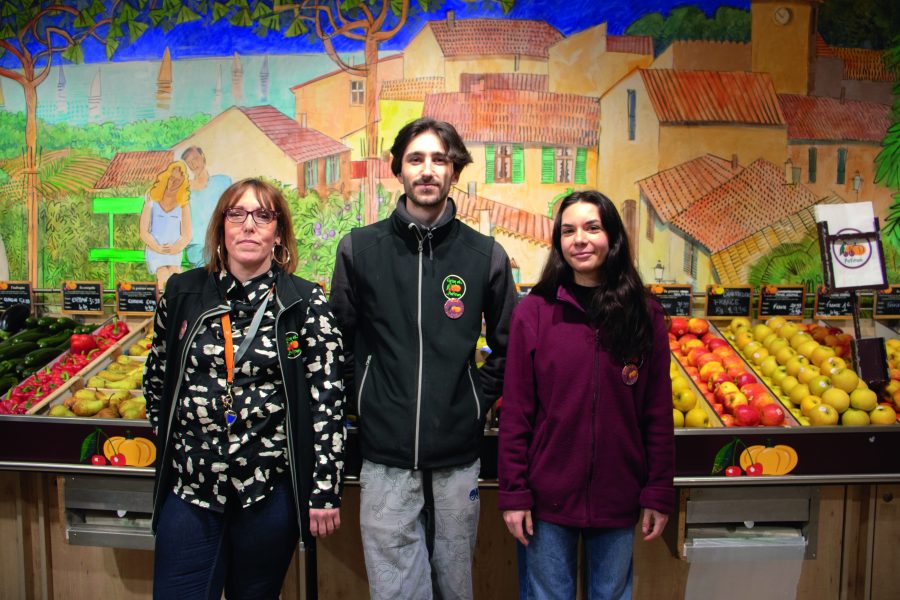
569,16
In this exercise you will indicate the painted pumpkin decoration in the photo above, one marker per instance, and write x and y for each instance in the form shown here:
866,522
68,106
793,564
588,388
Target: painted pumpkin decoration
775,460
138,452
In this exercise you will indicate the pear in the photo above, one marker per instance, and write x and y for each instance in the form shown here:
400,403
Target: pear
129,383
85,394
96,382
112,376
118,396
88,408
60,410
122,359
107,412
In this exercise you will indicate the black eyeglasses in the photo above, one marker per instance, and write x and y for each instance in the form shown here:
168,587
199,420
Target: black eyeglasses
261,216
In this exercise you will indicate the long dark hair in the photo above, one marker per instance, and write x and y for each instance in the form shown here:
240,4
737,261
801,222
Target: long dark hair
619,308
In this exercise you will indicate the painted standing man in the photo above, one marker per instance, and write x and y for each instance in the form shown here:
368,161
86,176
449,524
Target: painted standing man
409,294
206,190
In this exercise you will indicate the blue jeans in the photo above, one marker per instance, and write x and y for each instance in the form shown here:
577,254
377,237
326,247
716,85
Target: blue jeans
551,562
245,551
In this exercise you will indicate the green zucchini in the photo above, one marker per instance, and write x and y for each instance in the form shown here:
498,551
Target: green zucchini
6,382
17,350
61,324
55,339
40,357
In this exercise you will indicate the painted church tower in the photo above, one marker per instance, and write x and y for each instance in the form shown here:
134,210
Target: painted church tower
783,41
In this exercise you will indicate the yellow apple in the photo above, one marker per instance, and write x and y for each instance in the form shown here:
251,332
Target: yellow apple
788,383
788,330
777,344
845,379
822,414
837,398
739,324
807,373
799,338
808,403
775,323
818,384
862,399
798,393
820,354
678,417
794,363
784,354
831,362
761,332
679,383
883,415
807,348
758,355
696,417
779,374
768,366
854,417
684,400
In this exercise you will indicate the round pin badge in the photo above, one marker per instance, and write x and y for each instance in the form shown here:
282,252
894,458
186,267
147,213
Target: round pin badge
454,308
630,374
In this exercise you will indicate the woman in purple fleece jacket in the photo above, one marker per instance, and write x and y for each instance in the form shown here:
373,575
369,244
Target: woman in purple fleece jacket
586,435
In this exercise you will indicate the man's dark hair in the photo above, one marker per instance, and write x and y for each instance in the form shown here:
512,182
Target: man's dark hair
453,144
190,149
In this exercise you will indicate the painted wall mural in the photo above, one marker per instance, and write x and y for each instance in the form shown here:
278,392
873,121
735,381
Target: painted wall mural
716,127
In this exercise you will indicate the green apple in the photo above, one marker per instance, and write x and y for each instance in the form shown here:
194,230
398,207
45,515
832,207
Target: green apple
854,417
863,399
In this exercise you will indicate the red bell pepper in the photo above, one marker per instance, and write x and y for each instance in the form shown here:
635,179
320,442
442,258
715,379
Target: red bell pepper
114,331
81,343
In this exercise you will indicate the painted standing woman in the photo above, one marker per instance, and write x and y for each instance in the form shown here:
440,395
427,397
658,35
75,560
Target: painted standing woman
166,222
586,438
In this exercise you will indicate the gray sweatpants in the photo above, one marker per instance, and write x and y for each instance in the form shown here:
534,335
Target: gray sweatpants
394,532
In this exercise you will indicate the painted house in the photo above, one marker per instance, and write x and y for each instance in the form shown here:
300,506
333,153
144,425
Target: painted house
529,147
852,74
335,103
655,119
705,55
833,145
712,206
592,61
452,47
249,142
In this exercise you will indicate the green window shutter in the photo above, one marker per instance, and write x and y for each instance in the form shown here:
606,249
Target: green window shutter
328,178
547,157
581,165
489,152
518,163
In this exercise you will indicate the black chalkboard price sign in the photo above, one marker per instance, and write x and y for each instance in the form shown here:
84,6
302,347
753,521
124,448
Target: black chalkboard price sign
781,301
82,297
887,303
14,292
136,298
675,299
835,305
728,301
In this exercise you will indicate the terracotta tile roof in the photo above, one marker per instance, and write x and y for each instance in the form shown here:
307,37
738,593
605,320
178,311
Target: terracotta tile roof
413,90
713,97
861,64
755,198
674,190
820,118
507,219
299,143
634,44
516,116
530,82
494,37
134,167
733,264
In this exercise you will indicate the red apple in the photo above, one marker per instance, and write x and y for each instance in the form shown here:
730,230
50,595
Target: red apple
695,353
720,410
771,415
754,390
716,342
727,420
746,416
707,337
735,399
745,379
725,388
678,326
717,378
698,326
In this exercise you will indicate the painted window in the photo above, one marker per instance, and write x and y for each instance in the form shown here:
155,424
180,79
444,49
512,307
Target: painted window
563,165
813,158
629,219
632,124
357,92
332,169
504,163
311,173
690,258
842,165
581,165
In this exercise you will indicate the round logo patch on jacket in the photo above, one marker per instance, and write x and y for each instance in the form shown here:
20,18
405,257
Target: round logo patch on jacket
292,341
454,288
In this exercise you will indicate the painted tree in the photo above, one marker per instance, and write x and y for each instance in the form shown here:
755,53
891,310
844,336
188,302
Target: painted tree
35,34
887,162
370,22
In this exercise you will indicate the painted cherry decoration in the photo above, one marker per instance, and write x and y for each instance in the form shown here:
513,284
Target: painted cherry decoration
98,460
733,471
755,469
118,460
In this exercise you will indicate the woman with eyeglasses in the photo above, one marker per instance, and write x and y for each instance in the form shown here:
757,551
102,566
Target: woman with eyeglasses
244,391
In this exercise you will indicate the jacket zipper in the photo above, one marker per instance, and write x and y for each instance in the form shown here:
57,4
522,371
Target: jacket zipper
421,349
287,419
362,384
474,393
218,310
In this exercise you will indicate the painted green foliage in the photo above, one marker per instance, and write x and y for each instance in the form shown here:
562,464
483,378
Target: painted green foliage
888,160
691,23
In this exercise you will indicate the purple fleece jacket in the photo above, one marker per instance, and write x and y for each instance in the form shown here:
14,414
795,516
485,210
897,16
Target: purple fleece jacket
578,447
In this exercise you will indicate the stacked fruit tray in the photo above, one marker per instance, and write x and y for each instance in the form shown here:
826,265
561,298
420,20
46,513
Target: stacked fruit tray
805,365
